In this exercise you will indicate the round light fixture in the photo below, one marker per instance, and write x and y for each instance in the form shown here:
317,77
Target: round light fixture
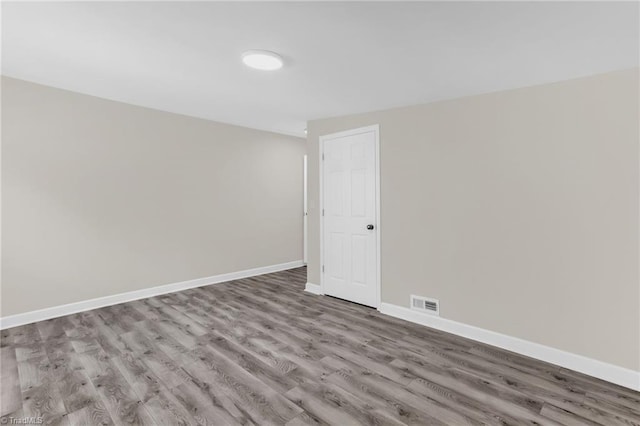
262,60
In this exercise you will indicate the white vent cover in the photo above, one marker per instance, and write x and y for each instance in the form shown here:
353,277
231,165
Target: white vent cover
424,304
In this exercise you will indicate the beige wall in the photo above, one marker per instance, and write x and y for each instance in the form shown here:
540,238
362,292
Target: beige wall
100,197
518,210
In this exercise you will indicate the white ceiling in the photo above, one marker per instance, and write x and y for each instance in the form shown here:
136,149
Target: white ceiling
341,58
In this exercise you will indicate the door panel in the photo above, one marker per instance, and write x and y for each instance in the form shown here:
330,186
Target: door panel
358,195
336,260
349,201
358,259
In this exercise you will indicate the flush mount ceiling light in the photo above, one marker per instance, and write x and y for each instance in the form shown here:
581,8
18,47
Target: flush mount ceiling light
262,60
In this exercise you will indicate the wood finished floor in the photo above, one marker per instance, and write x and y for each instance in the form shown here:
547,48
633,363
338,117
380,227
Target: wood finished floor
261,351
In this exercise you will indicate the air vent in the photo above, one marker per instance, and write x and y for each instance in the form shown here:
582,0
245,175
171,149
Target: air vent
424,304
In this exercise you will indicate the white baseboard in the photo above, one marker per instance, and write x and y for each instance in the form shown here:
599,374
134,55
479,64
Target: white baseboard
87,305
592,367
313,288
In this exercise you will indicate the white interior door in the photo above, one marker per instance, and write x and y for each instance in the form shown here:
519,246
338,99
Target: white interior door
350,217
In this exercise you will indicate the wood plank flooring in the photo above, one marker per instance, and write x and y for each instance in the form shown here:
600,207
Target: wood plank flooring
261,351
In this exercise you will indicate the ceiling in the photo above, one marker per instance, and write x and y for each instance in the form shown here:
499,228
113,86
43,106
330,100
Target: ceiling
340,58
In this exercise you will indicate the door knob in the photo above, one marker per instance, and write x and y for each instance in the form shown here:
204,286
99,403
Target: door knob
369,227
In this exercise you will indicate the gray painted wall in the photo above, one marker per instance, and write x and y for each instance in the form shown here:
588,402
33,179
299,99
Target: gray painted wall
101,197
517,209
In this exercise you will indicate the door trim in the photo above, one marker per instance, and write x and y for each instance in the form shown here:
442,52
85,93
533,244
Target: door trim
305,212
376,130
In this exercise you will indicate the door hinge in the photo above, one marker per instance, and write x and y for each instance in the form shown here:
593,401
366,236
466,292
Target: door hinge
322,212
322,268
323,156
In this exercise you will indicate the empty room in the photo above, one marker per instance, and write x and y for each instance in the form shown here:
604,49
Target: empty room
320,213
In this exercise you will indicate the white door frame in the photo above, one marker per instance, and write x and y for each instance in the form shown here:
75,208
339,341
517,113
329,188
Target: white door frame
376,130
305,211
